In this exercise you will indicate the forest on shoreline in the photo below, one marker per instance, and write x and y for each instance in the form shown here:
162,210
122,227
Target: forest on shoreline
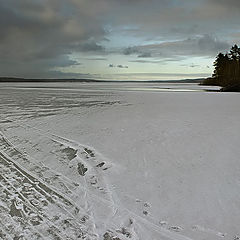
227,71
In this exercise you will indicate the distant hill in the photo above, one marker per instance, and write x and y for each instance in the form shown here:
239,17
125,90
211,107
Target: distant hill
196,80
14,79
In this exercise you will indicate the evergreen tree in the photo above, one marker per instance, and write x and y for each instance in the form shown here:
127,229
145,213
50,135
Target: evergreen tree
227,69
235,62
235,53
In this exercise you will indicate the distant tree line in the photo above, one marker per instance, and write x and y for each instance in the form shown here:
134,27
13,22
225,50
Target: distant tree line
227,70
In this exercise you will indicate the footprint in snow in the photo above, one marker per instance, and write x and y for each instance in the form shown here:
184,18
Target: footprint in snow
145,213
163,223
146,204
175,228
100,164
81,169
88,153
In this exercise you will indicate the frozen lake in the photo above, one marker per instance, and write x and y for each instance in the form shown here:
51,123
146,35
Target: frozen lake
119,161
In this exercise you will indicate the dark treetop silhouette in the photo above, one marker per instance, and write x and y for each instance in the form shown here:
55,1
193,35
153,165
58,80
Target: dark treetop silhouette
227,70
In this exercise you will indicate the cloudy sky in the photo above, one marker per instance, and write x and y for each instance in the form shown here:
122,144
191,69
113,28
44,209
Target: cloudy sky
115,39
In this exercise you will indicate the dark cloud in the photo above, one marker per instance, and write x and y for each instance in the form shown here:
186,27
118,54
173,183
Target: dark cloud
122,66
130,50
43,34
91,46
118,66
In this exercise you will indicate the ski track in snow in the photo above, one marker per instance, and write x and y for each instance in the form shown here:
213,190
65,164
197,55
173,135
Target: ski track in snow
37,202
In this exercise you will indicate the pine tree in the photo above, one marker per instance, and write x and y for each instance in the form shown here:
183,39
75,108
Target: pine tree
227,69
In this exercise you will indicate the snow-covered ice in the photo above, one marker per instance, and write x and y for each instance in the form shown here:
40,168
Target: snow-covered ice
119,161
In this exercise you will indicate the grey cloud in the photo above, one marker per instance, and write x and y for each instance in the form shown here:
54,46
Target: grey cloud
208,43
130,50
227,4
163,53
180,19
191,66
145,55
205,45
42,35
37,68
191,29
91,46
148,61
122,66
118,66
194,65
96,59
136,50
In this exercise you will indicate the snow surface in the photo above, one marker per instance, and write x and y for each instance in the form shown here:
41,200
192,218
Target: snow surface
119,161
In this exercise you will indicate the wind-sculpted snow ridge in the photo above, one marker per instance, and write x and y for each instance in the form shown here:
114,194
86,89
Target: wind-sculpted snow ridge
56,188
